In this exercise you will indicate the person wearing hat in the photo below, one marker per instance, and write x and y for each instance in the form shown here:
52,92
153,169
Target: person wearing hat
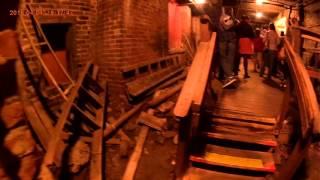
245,36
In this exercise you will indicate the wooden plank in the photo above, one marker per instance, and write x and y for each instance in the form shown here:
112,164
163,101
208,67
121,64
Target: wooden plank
37,125
115,125
96,171
236,158
136,155
186,96
202,174
260,140
221,121
245,118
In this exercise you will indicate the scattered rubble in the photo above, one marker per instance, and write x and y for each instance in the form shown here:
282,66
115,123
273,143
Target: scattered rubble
165,107
79,156
169,134
152,121
12,112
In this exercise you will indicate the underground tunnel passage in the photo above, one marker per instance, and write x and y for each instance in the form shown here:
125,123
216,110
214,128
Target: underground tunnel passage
159,89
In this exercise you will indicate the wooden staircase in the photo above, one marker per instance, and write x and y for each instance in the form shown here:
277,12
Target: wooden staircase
233,139
233,148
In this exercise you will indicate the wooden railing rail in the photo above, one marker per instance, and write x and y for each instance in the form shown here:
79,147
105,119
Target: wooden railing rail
309,109
190,101
300,89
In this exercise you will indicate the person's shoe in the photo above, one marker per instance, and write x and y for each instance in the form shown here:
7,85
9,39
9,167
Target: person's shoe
246,76
229,81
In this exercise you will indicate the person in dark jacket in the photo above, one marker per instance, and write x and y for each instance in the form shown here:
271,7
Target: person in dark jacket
245,36
227,48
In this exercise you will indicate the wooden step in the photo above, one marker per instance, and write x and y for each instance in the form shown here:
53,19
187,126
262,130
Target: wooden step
92,97
236,158
244,117
260,139
194,173
240,130
241,124
92,84
91,120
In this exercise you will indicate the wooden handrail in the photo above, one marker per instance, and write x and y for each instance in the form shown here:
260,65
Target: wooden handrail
190,101
308,105
197,79
307,31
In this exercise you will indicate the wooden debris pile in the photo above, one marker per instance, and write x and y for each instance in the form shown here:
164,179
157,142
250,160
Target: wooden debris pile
154,115
18,144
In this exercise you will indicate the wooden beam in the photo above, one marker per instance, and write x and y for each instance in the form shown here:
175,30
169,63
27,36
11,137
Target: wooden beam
114,126
136,155
97,146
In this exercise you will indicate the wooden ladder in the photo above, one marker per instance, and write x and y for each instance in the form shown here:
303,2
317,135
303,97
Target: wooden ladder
82,116
36,47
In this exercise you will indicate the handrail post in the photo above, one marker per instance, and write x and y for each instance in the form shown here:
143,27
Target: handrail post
295,39
284,107
184,137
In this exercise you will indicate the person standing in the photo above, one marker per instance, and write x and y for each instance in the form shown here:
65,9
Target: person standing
245,36
272,41
258,49
227,48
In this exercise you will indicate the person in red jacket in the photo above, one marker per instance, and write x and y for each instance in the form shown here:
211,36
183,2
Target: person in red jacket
245,35
258,49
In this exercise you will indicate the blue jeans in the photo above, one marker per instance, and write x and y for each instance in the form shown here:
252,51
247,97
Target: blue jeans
227,50
269,60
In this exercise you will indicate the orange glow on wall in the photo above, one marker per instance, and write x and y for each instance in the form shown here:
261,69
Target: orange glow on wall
281,25
179,25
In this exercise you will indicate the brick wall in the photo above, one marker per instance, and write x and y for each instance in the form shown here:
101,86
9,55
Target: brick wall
312,16
109,44
129,32
80,13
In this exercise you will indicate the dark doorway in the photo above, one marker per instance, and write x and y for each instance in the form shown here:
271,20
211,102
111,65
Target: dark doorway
59,36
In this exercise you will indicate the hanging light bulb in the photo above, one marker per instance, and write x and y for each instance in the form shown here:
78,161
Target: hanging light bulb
259,2
259,14
199,1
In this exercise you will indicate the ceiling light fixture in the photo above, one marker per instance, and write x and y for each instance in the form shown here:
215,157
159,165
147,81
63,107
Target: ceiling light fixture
259,2
259,14
199,1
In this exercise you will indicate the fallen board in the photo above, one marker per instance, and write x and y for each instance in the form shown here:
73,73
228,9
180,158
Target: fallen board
135,157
